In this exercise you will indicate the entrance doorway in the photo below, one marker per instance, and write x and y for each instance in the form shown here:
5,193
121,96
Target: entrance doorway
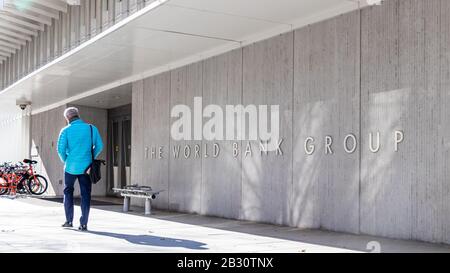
119,147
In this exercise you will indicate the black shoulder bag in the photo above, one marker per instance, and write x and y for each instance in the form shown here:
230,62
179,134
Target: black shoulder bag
94,170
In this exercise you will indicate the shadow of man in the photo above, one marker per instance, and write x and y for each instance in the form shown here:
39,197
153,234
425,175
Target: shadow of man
150,240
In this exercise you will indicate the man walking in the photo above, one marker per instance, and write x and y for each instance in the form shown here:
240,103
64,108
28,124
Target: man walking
75,145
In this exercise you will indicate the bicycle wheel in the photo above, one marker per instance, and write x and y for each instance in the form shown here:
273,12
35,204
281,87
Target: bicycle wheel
3,186
37,184
22,186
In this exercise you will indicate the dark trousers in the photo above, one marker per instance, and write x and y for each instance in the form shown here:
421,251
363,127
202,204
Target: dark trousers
85,189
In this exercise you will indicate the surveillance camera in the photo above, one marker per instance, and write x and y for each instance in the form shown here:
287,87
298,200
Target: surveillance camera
23,104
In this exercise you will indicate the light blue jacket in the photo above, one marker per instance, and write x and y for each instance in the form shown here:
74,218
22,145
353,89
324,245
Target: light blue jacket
74,146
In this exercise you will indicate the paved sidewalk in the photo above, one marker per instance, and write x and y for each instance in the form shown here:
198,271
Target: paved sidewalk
33,225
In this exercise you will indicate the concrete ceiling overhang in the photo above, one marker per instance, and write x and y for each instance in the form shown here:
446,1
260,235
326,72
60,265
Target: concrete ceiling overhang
20,20
162,36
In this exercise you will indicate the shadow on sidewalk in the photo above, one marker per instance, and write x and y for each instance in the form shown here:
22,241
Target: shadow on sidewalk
149,240
319,237
355,242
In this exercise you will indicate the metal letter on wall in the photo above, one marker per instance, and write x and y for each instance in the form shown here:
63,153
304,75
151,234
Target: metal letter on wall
235,149
248,150
399,136
309,149
197,151
353,149
279,150
187,151
328,142
216,150
372,149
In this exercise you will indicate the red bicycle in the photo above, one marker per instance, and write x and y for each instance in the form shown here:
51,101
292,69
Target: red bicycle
21,178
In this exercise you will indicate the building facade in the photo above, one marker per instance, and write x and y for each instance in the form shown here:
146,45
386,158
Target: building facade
363,102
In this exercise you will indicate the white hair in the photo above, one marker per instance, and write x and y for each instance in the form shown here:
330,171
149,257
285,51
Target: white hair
71,112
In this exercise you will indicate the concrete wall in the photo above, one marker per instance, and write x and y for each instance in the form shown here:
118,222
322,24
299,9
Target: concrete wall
404,84
221,177
45,129
326,102
267,179
381,69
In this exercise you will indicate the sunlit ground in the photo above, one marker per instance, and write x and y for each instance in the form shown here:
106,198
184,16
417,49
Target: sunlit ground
32,225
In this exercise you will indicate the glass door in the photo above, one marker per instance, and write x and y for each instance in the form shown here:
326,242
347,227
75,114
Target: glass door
119,150
126,148
116,155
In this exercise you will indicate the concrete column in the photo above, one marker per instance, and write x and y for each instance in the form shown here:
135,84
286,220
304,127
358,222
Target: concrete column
25,151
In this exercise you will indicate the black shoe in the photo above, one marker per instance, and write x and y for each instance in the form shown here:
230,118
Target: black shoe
67,224
82,228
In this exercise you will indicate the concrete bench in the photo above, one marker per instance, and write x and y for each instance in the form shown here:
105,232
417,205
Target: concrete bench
136,191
